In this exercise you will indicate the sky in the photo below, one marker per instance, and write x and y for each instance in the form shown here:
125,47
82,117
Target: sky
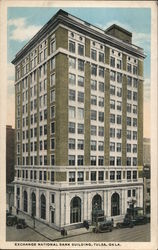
23,23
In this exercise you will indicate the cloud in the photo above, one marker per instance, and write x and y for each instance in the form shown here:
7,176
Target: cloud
20,30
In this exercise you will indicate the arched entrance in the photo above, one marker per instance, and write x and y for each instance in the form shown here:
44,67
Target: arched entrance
43,207
25,201
33,196
115,204
75,210
97,202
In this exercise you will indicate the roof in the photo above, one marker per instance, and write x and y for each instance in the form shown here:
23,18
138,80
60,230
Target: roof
115,26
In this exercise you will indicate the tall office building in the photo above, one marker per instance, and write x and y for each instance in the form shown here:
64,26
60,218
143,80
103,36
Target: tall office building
79,122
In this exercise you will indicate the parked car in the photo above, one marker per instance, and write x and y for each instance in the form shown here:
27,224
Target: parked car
21,224
103,225
126,223
137,215
11,220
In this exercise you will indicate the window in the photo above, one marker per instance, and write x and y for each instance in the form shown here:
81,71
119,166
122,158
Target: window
52,198
71,143
134,175
80,144
93,69
101,101
72,79
80,113
80,96
93,84
134,109
93,175
94,54
129,108
40,175
52,160
128,175
101,87
52,46
93,100
135,70
72,112
134,135
128,148
112,161
71,160
119,119
80,128
72,95
129,81
52,63
101,175
112,146
101,160
119,132
93,115
118,175
101,116
118,147
129,94
71,127
93,160
129,134
112,90
52,80
80,160
101,71
129,193
93,130
72,46
80,176
119,92
80,49
135,83
101,146
128,161
112,61
71,176
52,144
81,81
119,64
134,122
128,121
112,175
101,57
93,145
135,96
52,127
112,132
52,95
112,75
134,148
129,67
134,161
72,63
118,161
52,111
119,105
112,118
52,176
80,65
101,131
133,192
119,77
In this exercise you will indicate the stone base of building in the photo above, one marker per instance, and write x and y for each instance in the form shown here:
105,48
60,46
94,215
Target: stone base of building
69,207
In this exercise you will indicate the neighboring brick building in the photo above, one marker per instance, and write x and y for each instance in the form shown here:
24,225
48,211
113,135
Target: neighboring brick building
10,136
79,122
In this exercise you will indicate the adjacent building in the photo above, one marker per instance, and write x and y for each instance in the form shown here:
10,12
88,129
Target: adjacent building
146,173
79,122
10,145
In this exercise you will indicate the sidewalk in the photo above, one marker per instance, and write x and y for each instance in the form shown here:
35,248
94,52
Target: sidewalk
50,233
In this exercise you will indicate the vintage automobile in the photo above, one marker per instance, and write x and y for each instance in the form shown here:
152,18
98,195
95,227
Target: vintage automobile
137,215
103,225
126,223
11,220
21,224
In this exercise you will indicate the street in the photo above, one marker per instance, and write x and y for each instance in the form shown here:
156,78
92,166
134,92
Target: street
137,234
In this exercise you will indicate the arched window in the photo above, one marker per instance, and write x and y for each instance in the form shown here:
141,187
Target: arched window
25,201
75,210
43,207
97,202
115,204
33,204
